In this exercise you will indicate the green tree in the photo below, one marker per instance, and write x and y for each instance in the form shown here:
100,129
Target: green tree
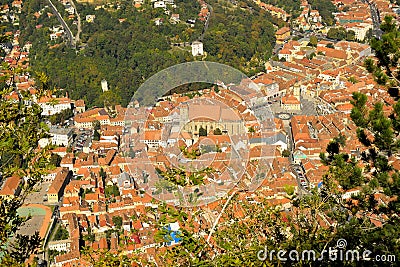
96,125
359,112
96,135
337,33
350,35
388,25
132,153
286,153
103,174
202,131
326,9
382,129
61,116
353,80
370,65
313,41
55,160
387,51
330,45
381,77
111,190
117,221
217,131
21,128
111,97
61,234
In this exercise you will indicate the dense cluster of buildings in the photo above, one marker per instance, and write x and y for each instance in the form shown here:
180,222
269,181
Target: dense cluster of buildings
274,10
309,19
99,186
10,13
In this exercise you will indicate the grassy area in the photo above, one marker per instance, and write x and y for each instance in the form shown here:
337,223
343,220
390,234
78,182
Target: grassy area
61,234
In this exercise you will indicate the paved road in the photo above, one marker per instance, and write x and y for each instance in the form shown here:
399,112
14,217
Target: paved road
207,22
79,23
376,20
63,23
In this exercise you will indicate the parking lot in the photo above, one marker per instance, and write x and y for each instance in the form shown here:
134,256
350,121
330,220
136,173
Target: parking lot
301,177
83,137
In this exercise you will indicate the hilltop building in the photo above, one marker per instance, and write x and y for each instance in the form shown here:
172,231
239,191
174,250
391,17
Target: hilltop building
197,48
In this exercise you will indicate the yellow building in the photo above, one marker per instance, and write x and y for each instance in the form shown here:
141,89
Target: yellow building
56,188
282,34
11,187
210,117
290,102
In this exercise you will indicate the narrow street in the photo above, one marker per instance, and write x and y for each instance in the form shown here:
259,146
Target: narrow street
77,38
377,32
206,23
63,23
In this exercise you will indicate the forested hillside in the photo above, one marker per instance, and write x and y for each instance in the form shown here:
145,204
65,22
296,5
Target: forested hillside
125,46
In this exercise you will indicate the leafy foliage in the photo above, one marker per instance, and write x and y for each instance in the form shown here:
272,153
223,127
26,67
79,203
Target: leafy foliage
217,131
61,117
387,51
20,130
61,234
112,190
178,176
240,37
127,53
341,34
376,122
202,131
290,6
117,221
55,160
325,9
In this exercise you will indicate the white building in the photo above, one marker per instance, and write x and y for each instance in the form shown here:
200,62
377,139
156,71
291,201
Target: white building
60,245
90,18
197,48
360,30
51,106
152,138
104,85
160,4
70,10
61,136
43,142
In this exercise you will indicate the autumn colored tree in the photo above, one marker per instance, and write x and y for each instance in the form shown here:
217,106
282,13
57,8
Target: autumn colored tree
21,128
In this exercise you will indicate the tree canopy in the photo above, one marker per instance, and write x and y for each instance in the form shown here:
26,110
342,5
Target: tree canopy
127,53
21,128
